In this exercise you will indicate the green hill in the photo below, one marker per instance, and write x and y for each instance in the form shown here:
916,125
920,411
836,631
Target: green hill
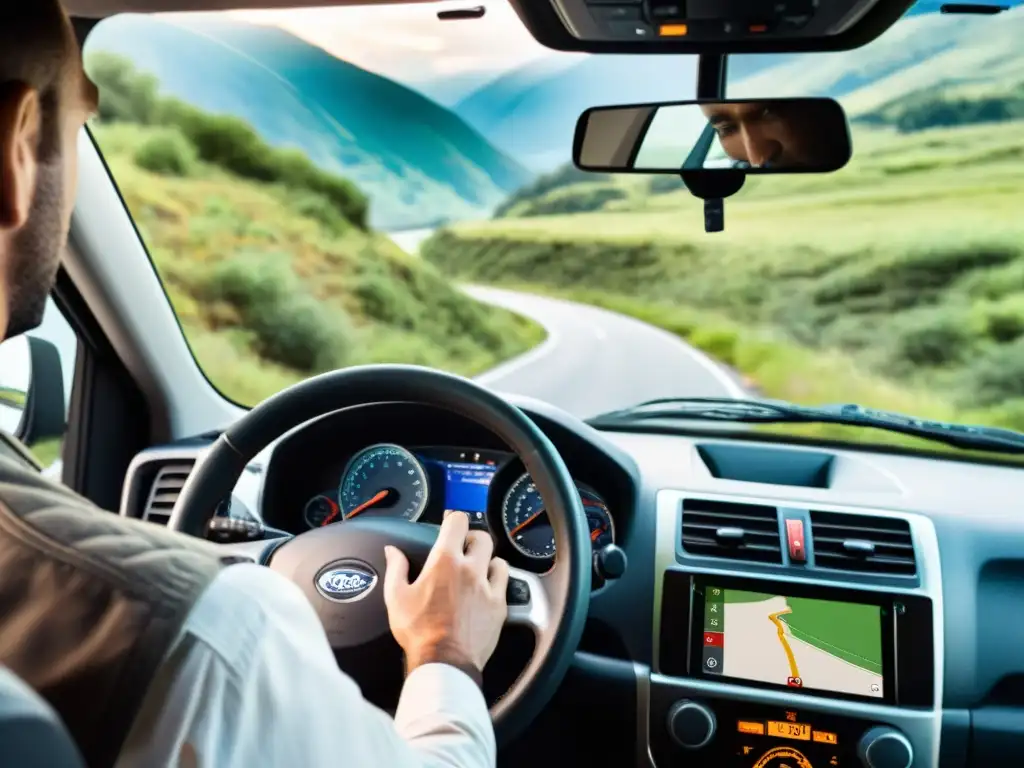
271,285
897,282
945,106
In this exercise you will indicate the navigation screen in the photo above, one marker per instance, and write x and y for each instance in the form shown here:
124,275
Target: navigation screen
793,641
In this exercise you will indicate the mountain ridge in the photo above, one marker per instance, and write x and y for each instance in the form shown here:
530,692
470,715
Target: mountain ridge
419,162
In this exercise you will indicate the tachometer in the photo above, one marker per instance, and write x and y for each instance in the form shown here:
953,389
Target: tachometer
321,510
528,528
602,527
383,479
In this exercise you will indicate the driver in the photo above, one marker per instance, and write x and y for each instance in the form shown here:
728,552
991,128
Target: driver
152,650
778,134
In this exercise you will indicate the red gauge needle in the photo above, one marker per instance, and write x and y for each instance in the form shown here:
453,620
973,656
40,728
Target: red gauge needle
379,496
526,522
594,535
335,509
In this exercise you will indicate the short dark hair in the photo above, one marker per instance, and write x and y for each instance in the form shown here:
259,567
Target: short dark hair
34,48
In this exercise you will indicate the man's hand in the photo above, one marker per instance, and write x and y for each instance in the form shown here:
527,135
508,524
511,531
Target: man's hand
454,611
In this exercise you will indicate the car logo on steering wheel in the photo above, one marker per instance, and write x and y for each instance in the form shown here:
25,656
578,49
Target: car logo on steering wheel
346,583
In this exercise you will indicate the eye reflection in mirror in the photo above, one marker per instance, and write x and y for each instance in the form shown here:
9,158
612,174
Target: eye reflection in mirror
788,134
764,136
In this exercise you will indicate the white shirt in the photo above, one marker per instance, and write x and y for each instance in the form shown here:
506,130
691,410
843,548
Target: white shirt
252,681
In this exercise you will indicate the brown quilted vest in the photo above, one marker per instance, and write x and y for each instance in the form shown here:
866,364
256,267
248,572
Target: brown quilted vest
90,603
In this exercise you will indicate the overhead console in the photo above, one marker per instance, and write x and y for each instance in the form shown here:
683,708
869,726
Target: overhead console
708,26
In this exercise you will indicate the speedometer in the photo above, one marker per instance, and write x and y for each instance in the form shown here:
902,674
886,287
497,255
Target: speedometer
383,479
527,525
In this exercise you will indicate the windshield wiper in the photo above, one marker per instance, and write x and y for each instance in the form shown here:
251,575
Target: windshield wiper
966,436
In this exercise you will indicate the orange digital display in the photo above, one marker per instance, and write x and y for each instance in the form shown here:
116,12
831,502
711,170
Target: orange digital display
747,726
673,30
825,737
787,730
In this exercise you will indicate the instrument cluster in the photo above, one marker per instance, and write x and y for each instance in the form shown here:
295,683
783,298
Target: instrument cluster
421,484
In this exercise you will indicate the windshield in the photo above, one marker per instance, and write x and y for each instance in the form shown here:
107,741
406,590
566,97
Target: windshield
332,187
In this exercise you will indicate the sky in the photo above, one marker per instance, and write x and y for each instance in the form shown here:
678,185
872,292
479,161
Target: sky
375,37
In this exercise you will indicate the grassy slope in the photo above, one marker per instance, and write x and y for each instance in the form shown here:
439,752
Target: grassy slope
743,596
809,288
12,397
847,630
411,315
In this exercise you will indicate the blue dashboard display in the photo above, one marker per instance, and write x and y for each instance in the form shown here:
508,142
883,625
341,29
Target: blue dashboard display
464,476
465,486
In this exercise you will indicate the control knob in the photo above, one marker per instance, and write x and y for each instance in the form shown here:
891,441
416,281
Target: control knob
691,724
610,562
885,747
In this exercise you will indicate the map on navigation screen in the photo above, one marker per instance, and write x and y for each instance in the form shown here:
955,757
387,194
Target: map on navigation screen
793,641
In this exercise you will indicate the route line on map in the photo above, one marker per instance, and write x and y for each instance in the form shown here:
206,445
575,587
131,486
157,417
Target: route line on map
793,670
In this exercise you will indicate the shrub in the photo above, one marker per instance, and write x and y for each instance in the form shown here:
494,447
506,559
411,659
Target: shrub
898,280
125,95
296,170
580,198
385,299
997,376
167,153
321,210
565,176
232,144
301,332
1001,321
291,327
659,185
719,343
931,338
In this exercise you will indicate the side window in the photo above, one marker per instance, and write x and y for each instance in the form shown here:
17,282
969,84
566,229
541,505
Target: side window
50,387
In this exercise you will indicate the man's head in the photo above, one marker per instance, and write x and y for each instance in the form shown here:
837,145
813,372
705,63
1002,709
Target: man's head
784,134
45,98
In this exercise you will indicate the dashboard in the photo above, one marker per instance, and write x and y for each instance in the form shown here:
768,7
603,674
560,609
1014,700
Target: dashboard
783,604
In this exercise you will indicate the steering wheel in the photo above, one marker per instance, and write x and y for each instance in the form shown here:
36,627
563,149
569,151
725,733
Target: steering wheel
557,603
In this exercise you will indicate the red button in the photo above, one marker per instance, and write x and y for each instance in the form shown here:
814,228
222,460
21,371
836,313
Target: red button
795,537
714,639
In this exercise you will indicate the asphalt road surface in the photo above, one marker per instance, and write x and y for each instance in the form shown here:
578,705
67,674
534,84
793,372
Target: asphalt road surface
594,361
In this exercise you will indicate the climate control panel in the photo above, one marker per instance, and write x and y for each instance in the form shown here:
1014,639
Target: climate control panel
733,734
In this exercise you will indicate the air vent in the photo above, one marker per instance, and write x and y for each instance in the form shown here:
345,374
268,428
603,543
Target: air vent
862,543
729,529
166,488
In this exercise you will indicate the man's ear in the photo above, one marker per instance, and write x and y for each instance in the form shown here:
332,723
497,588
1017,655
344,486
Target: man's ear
20,125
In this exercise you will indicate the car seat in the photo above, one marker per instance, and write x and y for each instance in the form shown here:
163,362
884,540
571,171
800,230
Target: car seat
31,733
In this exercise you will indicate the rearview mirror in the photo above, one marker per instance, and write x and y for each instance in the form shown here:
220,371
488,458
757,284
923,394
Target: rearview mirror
765,136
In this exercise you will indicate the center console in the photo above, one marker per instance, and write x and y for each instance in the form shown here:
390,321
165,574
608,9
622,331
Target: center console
791,665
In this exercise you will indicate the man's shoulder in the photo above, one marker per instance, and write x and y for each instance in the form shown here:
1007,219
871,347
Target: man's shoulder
48,517
245,607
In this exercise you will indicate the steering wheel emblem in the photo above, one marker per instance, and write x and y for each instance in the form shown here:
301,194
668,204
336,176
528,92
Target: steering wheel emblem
346,582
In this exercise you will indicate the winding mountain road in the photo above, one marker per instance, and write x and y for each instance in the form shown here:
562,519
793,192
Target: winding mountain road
595,360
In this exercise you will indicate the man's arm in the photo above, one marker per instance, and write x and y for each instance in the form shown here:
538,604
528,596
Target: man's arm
254,682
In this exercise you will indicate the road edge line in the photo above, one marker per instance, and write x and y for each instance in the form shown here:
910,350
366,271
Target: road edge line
528,357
